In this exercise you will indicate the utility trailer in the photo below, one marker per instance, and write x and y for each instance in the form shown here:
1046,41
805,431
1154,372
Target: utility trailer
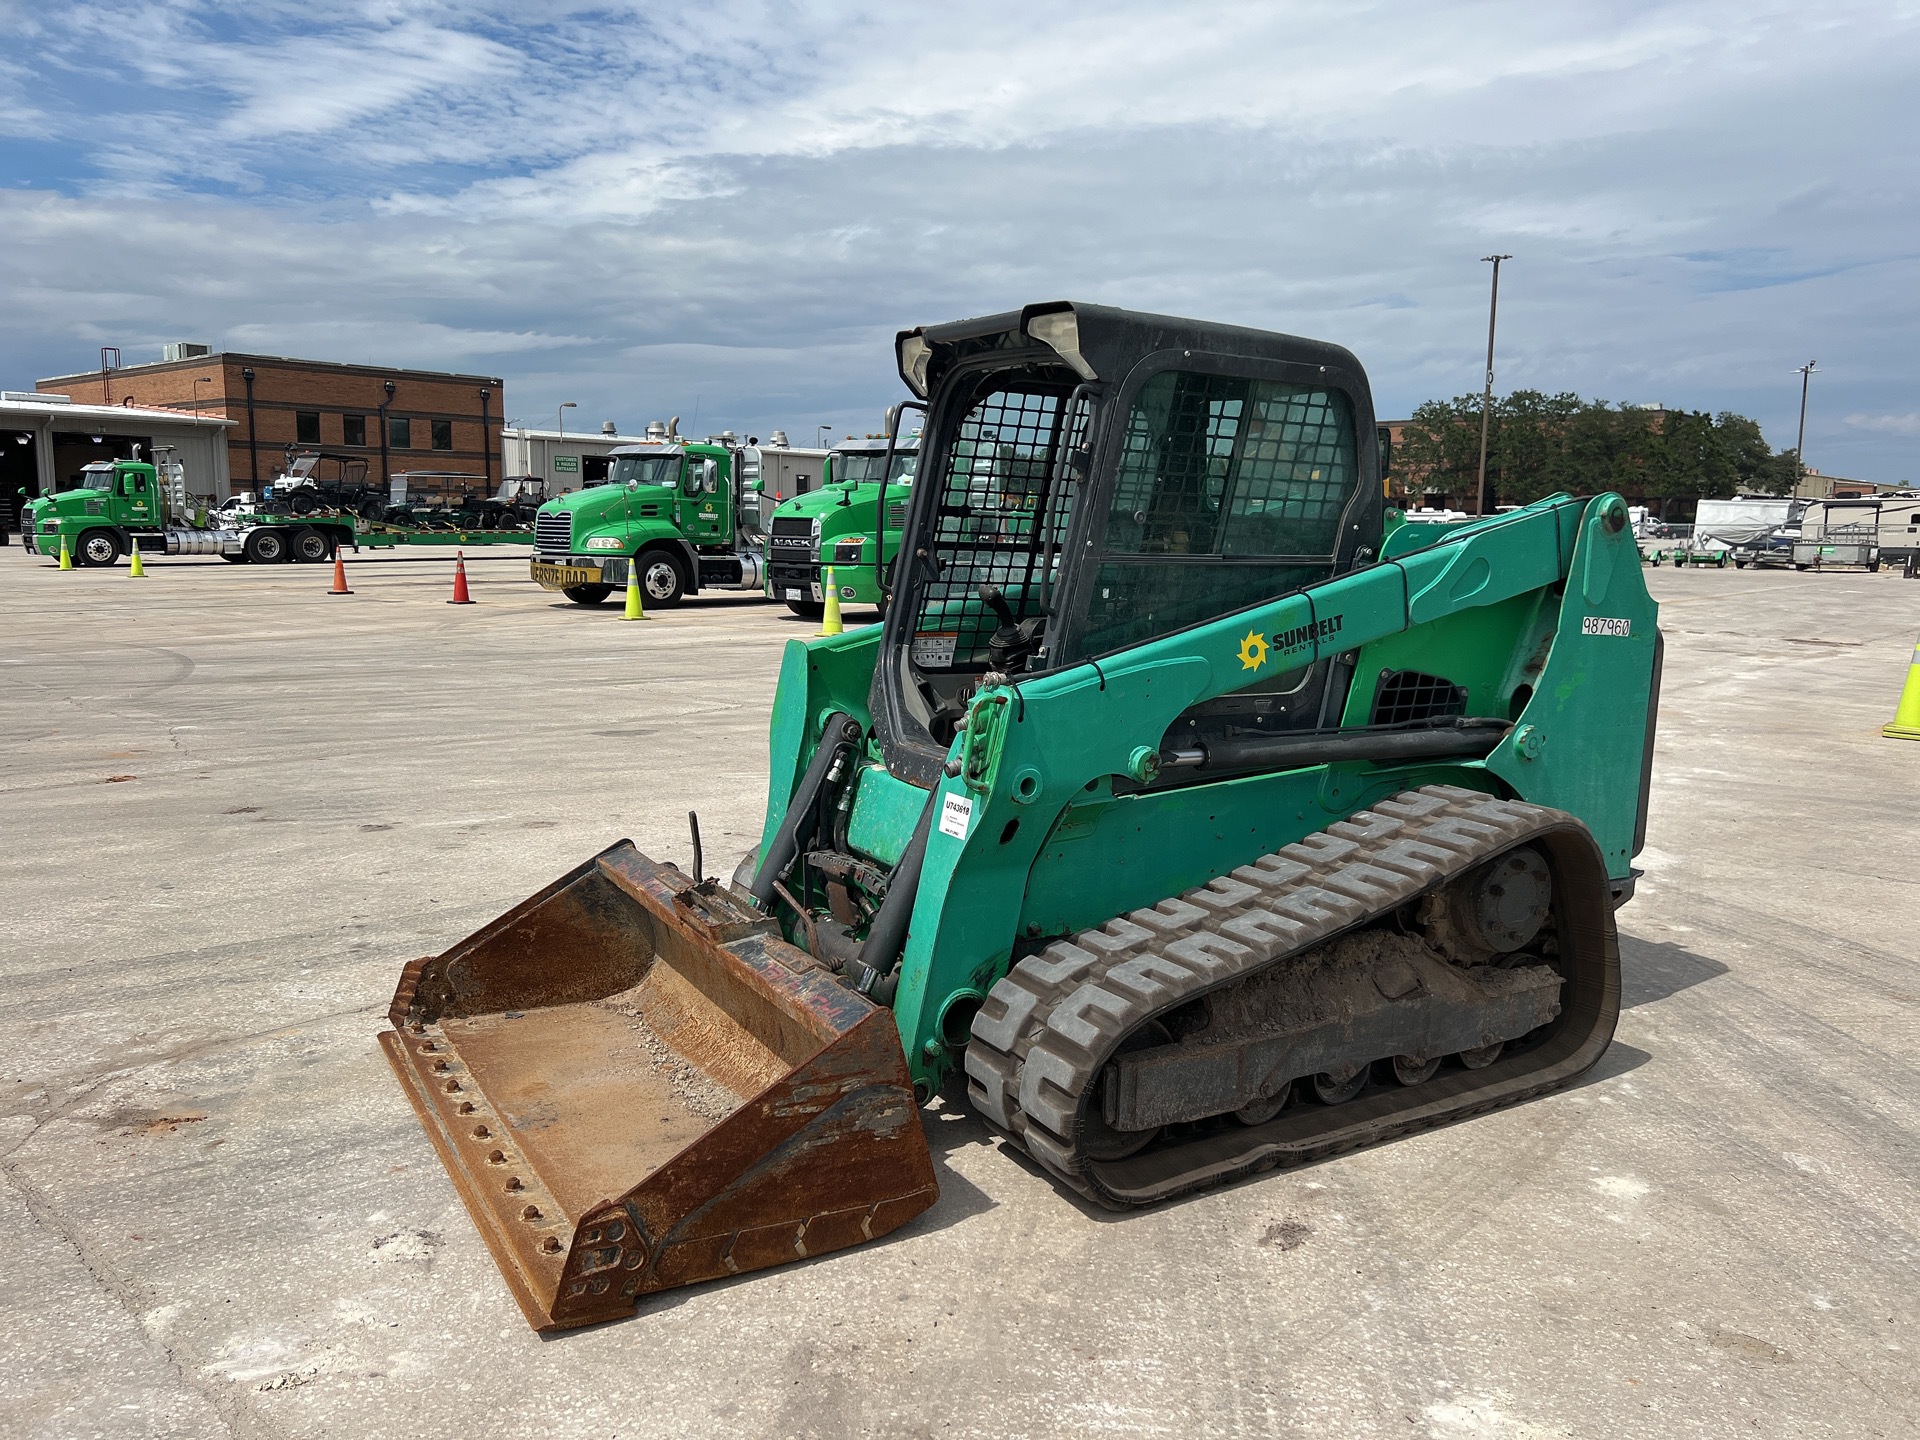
1849,534
1865,532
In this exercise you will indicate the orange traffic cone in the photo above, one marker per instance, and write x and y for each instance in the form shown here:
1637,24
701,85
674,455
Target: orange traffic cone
339,576
460,595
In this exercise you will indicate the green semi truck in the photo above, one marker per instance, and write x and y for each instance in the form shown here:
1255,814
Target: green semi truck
124,505
691,514
839,525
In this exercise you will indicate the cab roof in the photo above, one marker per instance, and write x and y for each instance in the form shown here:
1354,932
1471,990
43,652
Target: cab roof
1099,342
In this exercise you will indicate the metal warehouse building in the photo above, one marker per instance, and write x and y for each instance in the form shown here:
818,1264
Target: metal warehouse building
45,439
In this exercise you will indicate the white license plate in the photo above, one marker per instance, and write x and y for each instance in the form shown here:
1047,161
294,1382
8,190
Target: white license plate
795,595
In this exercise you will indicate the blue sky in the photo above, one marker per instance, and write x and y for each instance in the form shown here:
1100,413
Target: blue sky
725,209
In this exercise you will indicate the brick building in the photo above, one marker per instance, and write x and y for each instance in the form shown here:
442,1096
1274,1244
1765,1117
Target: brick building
398,419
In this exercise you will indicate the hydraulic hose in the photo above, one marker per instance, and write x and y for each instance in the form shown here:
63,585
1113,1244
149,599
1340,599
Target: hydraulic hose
803,811
1472,738
887,936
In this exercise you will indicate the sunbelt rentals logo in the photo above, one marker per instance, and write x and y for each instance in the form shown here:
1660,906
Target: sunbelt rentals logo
1256,647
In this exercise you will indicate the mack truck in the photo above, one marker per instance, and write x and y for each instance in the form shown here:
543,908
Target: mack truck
846,524
1181,819
122,505
687,514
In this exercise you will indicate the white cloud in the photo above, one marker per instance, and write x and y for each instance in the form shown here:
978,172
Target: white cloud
735,203
1907,424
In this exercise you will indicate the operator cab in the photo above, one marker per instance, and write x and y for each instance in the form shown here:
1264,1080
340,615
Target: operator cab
1093,479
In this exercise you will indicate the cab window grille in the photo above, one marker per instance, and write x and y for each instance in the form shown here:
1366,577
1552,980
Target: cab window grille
1001,519
1408,697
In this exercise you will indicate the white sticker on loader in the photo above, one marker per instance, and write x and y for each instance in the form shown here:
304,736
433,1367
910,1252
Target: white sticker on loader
935,651
955,812
1605,625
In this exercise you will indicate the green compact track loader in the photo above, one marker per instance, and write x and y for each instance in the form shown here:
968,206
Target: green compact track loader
1180,816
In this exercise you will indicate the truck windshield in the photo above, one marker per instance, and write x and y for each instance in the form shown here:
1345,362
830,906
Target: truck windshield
644,470
862,467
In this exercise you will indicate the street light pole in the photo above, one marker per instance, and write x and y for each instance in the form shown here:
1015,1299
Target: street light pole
565,406
1486,396
1800,441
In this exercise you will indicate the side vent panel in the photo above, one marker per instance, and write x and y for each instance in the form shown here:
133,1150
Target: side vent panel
1410,697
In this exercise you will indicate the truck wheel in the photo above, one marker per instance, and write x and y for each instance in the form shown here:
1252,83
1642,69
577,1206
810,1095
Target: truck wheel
309,546
97,547
266,547
588,594
660,578
807,609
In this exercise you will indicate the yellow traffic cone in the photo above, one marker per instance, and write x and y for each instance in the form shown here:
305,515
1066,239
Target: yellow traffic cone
1906,715
66,555
636,607
830,624
134,567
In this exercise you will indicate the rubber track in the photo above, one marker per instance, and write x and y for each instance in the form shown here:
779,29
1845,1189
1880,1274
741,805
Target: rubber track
1047,1028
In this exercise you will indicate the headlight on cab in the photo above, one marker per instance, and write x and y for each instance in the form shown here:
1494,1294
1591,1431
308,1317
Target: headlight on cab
605,542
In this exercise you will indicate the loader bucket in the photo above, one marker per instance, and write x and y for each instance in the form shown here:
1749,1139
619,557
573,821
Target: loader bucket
636,1083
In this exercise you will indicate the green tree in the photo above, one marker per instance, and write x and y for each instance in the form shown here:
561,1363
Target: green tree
1540,444
1779,474
1440,447
1751,454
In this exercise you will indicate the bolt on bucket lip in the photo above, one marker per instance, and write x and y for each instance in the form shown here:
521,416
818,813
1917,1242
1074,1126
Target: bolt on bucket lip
636,1083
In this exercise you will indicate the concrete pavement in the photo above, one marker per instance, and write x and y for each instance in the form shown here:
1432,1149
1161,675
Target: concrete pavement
235,805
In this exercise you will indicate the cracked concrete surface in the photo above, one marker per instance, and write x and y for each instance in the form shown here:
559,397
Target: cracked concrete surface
221,1218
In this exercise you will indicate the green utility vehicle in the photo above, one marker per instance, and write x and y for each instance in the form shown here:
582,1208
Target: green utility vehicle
1181,818
839,525
124,504
688,512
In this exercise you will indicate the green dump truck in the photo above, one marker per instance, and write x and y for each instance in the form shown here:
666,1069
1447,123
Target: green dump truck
124,505
689,513
839,525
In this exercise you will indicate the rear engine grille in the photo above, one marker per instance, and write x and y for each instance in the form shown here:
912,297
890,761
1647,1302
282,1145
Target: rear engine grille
1407,697
553,532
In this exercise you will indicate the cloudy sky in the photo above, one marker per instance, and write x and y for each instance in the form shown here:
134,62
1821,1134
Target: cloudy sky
726,208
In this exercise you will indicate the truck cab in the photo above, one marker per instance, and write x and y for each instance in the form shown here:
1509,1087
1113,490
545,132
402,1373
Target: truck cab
842,526
116,501
669,507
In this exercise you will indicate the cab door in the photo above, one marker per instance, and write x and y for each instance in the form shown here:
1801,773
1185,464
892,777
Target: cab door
137,498
704,503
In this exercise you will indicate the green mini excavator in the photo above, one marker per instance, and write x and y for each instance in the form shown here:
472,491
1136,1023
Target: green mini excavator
1185,815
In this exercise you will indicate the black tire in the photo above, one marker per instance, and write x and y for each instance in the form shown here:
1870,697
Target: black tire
308,546
588,594
96,547
303,502
807,609
661,583
266,546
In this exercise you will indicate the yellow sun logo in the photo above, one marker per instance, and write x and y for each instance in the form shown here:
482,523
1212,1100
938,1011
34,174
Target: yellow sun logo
1253,651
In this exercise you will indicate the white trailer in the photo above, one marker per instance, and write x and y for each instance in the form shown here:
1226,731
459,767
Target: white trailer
1865,531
